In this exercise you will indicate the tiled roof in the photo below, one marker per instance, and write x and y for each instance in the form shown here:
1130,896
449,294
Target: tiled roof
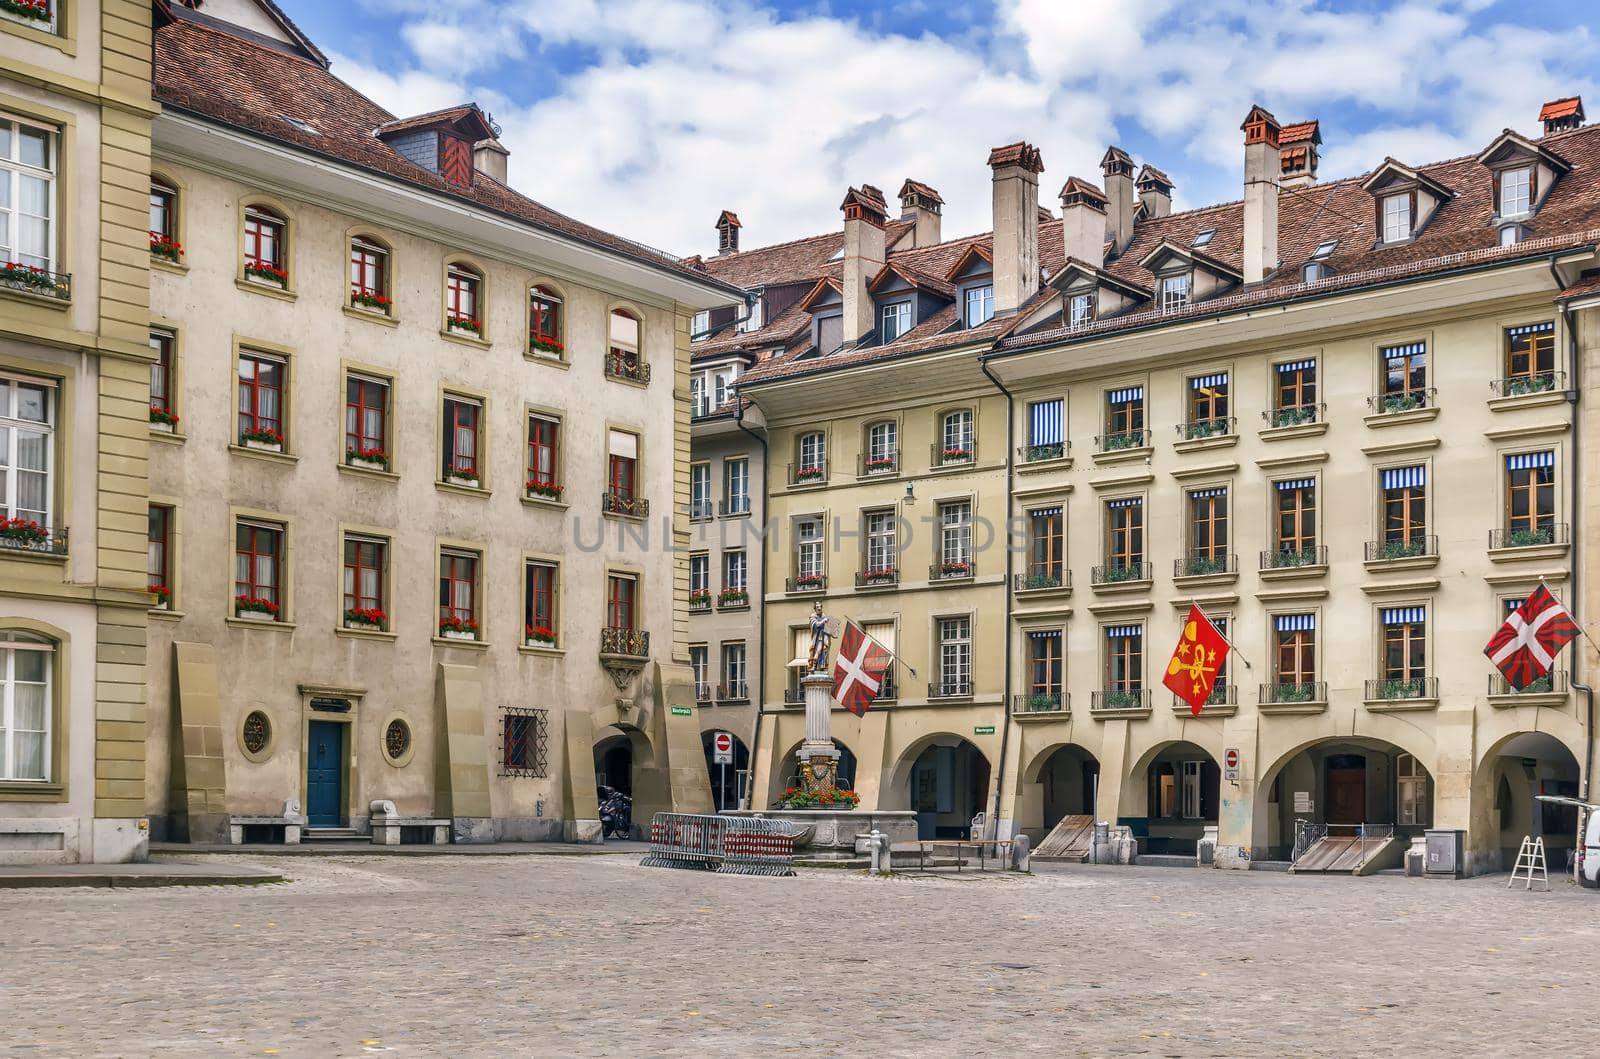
447,116
917,187
1300,132
915,277
1561,108
1024,154
1151,175
211,73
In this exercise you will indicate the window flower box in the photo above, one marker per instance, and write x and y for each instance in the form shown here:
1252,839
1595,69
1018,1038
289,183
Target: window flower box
162,246
1523,385
882,575
262,272
733,597
1037,453
370,300
365,618
23,531
163,419
30,278
878,464
465,477
1040,582
955,568
538,636
266,440
546,346
700,600
458,628
1293,416
1530,538
465,324
163,597
1117,442
255,608
1402,403
545,490
809,474
367,459
806,582
38,10
956,456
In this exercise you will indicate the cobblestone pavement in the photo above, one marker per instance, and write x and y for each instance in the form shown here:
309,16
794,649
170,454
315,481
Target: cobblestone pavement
598,956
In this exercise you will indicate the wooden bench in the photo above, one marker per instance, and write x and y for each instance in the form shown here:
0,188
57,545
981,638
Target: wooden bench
998,850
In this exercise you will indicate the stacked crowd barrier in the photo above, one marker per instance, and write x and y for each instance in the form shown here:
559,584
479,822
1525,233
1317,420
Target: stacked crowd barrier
728,845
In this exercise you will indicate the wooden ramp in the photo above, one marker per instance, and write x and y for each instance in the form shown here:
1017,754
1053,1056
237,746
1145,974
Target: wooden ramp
1068,840
1346,855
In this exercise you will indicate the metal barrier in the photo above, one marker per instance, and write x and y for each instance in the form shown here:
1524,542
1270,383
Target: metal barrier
728,845
1307,833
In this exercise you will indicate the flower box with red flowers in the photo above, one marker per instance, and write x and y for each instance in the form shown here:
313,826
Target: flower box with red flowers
163,596
163,419
254,608
955,569
550,347
30,278
807,581
465,323
545,490
164,246
810,473
365,618
465,477
876,464
370,300
826,798
733,597
538,636
881,575
955,456
22,531
458,628
700,600
367,459
264,438
265,273
36,10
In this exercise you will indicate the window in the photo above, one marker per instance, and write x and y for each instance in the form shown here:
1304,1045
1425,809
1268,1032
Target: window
1125,534
1046,439
621,594
699,490
539,603
1530,498
736,486
164,221
699,665
1124,664
27,194
1175,291
265,252
1045,548
26,710
979,305
1530,358
808,548
463,299
1325,249
721,389
1295,637
460,446
524,743
258,568
894,321
369,275
261,388
883,554
698,405
544,456
27,449
884,633
458,591
622,469
1297,518
1044,669
1315,271
700,576
1516,191
37,14
700,326
1405,652
1405,376
161,382
1411,793
1396,211
1124,418
1405,519
544,323
1294,393
752,321
1512,234
735,570
813,454
365,560
1203,237
625,361
1208,404
882,448
734,687
158,554
955,656
1080,309
830,333
1208,531
955,537
366,418
957,434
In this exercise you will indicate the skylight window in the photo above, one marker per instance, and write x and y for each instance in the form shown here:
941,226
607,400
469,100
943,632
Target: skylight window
301,125
1204,237
1325,248
838,256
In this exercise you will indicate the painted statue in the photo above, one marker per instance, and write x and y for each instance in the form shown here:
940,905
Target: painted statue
817,657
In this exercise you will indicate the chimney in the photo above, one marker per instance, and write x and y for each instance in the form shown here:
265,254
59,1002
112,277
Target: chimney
1083,222
1559,114
728,232
1297,154
1118,168
864,214
1016,224
922,206
489,158
1155,191
1261,167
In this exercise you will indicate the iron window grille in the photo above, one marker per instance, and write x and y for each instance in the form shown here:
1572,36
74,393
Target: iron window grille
524,743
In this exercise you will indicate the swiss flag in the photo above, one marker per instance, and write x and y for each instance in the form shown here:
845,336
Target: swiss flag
1196,661
859,668
1525,646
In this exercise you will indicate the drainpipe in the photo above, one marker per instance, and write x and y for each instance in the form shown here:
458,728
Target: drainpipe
761,619
1576,492
1005,702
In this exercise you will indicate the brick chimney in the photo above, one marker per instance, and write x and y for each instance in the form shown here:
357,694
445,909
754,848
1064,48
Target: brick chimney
489,158
1261,168
1297,154
727,233
1016,224
1118,170
1559,114
1155,191
864,214
1083,222
922,206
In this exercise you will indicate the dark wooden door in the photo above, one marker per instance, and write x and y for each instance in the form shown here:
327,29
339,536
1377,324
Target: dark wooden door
1346,797
325,775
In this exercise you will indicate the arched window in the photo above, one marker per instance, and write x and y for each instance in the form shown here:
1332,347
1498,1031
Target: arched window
369,274
545,323
463,299
26,702
625,360
266,249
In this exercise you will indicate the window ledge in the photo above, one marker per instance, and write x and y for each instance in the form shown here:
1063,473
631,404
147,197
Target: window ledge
1527,553
1528,400
246,623
1059,463
875,476
618,516
1290,709
41,300
1122,588
546,359
1041,716
1121,713
1415,562
637,384
736,514
1055,591
541,649
1298,430
161,264
1294,573
46,37
462,490
33,792
30,556
1221,709
167,614
1218,441
463,338
954,467
1400,705
271,290
170,437
367,472
264,454
1395,419
544,501
1122,455
364,634
371,316
467,645
800,487
1511,701
889,585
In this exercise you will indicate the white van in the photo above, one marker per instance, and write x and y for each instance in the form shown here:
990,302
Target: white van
1589,853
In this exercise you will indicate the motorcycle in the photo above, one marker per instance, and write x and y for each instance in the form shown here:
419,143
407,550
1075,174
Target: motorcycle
616,814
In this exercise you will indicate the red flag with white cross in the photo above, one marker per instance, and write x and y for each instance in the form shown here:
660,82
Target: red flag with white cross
860,667
1525,647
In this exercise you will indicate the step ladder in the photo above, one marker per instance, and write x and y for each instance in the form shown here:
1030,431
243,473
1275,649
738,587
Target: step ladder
1530,860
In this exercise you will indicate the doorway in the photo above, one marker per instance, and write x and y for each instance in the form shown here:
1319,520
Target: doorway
728,780
613,764
948,785
325,774
1345,789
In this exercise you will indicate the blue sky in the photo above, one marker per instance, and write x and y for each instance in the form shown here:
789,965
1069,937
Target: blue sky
647,117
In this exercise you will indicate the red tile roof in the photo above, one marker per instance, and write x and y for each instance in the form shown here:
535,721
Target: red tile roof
917,187
1020,153
466,113
1561,108
1296,132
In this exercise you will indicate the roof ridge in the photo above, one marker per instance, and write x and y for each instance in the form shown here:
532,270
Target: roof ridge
221,28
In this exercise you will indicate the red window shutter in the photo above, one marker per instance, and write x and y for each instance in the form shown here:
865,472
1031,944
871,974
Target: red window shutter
455,161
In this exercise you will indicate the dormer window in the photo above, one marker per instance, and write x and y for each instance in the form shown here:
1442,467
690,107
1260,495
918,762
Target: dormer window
1397,217
894,321
752,322
1175,291
702,323
1204,237
1516,191
1080,310
1512,234
1315,270
979,305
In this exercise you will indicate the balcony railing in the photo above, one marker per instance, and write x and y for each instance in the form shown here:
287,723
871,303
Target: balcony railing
1221,695
613,502
1039,453
953,570
1205,566
1127,439
702,693
1294,415
1120,699
1387,403
629,368
733,599
1043,581
1289,558
952,455
1525,385
737,692
889,692
34,540
57,285
884,463
1200,429
1284,692
699,510
950,689
1554,682
1116,573
1416,546
734,505
808,473
631,643
794,696
806,583
1398,689
881,577
1041,702
1526,537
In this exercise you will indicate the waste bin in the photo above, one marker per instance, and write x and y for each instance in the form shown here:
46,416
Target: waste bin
1446,853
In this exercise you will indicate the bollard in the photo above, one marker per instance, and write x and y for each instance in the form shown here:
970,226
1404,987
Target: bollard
1020,853
878,846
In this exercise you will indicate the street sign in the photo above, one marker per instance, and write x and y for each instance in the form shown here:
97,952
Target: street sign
1230,765
722,748
983,729
1232,758
683,711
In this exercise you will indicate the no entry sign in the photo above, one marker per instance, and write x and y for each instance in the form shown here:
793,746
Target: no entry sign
722,748
1230,765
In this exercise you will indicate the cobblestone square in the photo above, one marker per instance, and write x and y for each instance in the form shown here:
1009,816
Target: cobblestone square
548,955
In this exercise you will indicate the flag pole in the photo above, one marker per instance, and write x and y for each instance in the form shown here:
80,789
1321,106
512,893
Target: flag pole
1581,630
1231,645
891,652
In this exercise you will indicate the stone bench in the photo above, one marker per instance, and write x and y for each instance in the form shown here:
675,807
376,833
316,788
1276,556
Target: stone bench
387,825
291,821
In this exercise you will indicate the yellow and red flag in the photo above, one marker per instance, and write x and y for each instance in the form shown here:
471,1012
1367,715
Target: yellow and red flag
1196,661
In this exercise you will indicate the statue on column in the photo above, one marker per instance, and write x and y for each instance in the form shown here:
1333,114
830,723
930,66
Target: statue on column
821,635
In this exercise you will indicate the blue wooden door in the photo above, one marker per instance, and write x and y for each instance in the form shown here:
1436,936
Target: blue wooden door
325,775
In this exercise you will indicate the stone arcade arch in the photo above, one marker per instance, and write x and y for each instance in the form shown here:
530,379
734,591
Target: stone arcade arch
1170,796
1062,780
944,779
1508,777
1342,781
